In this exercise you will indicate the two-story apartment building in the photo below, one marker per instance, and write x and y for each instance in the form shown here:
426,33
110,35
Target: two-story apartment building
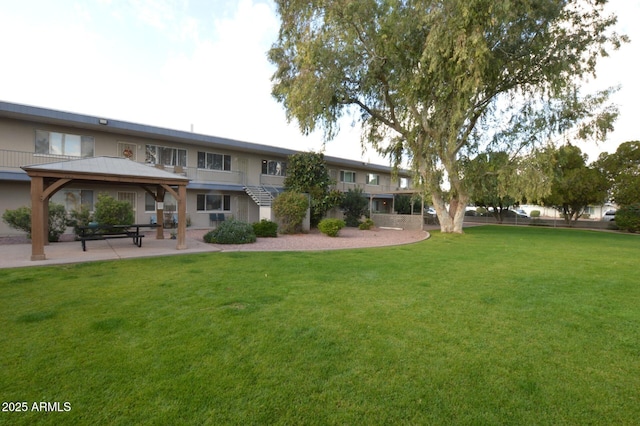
227,177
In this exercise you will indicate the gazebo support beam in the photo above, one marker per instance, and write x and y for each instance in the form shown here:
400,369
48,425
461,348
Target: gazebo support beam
37,218
182,218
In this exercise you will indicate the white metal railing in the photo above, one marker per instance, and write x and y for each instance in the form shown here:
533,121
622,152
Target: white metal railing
375,189
13,160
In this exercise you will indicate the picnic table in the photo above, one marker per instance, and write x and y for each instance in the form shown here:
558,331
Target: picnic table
104,232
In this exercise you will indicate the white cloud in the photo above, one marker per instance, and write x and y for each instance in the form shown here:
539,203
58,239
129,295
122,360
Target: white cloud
175,63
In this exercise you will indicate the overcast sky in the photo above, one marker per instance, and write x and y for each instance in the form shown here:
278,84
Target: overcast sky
201,65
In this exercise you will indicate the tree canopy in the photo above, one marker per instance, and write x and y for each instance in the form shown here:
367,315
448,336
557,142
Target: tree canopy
622,168
434,82
575,185
307,172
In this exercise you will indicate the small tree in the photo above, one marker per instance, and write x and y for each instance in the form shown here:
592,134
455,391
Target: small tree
622,169
307,172
290,208
575,185
109,211
354,206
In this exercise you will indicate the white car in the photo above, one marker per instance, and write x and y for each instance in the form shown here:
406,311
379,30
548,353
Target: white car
609,215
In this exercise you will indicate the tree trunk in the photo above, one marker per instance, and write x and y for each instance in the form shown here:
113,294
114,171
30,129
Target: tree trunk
451,220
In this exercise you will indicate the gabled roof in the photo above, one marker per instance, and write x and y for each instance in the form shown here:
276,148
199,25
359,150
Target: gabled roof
97,168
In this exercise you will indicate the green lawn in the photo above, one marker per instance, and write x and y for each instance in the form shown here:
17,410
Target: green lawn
501,325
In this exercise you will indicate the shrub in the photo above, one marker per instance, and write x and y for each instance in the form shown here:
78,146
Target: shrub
231,232
331,227
109,211
290,208
57,221
265,228
628,218
79,218
20,219
355,205
535,213
366,225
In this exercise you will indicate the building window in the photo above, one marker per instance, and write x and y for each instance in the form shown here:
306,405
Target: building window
149,203
404,183
166,156
373,179
169,203
64,144
211,161
347,176
74,199
129,197
274,168
213,202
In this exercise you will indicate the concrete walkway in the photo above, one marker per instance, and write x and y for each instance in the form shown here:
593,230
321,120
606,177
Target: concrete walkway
19,255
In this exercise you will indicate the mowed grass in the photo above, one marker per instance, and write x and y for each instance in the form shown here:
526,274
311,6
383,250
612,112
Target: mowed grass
501,325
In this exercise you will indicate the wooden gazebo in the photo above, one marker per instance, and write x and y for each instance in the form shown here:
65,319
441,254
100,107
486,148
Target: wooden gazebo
47,179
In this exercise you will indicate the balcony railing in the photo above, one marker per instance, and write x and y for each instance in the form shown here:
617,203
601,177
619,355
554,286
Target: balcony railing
376,189
13,160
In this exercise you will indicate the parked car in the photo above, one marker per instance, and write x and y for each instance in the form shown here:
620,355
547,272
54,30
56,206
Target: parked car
609,215
519,213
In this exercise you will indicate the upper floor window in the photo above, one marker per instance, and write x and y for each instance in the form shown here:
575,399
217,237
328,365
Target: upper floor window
373,179
347,176
166,156
275,168
404,183
208,160
64,144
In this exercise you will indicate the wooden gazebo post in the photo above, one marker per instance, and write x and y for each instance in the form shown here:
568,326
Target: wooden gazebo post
182,217
37,218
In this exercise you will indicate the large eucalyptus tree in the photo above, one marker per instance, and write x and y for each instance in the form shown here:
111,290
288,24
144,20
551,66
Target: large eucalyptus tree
437,81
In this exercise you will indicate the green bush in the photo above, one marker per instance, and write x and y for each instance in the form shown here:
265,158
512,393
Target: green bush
628,218
366,225
265,228
109,211
331,227
20,219
535,213
231,232
79,218
290,208
354,205
58,221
